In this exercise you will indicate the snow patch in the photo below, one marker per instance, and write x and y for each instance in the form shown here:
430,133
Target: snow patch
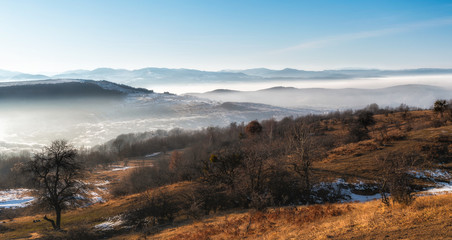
101,183
118,168
430,174
342,191
444,188
95,197
441,178
109,224
15,198
362,198
153,154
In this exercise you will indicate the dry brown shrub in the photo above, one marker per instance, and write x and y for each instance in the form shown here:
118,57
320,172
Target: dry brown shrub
396,134
353,149
390,136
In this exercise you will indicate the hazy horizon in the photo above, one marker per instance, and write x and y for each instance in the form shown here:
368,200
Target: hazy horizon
359,83
53,36
202,84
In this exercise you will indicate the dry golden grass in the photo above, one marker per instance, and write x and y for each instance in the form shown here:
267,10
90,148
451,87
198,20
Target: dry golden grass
353,149
427,218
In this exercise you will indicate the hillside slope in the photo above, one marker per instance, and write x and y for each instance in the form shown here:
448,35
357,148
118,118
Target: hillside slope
427,218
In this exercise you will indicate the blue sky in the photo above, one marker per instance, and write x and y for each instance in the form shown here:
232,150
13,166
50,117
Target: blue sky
54,36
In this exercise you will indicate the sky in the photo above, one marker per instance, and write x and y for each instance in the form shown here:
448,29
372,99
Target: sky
55,36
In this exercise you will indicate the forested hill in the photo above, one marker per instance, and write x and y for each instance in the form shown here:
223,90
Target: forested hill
65,89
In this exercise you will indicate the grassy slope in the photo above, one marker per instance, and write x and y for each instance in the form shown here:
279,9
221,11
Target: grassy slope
362,156
23,227
358,160
427,218
429,215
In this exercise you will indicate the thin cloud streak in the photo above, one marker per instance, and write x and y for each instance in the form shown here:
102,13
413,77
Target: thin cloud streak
319,43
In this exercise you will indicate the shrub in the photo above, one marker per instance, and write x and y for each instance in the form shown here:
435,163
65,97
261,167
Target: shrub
141,179
74,233
357,133
157,207
261,201
436,123
254,127
215,197
8,214
395,178
3,229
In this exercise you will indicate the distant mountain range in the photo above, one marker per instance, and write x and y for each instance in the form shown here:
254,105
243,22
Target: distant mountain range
147,77
329,99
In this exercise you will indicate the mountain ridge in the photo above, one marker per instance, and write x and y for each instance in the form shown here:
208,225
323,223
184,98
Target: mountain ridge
152,75
416,95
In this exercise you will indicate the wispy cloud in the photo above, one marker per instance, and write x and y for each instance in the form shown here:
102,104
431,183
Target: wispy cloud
330,40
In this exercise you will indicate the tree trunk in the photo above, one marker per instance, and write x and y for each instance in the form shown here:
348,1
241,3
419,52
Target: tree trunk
307,184
55,224
51,221
58,217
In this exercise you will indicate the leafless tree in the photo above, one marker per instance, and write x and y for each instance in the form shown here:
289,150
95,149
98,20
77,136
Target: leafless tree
395,178
56,172
302,156
118,145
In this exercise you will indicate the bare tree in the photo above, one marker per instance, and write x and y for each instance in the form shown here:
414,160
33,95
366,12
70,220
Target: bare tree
119,144
256,152
175,161
56,173
302,157
395,177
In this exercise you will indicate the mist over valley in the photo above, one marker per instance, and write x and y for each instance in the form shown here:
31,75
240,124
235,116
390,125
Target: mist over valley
182,81
88,112
329,99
